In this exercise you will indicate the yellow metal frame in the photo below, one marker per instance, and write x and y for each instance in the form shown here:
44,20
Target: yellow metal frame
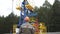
18,8
14,28
29,7
43,28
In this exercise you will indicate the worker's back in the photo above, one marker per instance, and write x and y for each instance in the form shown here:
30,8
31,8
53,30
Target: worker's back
27,28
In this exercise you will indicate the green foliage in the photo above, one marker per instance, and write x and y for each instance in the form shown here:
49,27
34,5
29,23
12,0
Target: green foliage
45,13
6,23
56,16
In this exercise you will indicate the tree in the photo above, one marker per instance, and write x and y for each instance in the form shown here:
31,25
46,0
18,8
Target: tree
6,23
56,15
45,13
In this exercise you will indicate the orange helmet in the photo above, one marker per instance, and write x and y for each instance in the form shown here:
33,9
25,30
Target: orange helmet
27,19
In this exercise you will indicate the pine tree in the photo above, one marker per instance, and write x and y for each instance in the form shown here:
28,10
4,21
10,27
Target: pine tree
56,15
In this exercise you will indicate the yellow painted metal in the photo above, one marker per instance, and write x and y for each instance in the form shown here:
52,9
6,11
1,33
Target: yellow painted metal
36,33
14,28
29,7
32,19
43,29
18,8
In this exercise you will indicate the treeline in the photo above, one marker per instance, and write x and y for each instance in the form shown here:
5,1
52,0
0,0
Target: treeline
50,15
6,23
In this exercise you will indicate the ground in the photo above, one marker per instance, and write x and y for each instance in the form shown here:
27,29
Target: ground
47,33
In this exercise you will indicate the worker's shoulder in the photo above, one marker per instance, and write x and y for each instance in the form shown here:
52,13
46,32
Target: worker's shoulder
26,25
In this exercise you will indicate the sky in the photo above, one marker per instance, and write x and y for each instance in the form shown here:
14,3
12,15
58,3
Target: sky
6,6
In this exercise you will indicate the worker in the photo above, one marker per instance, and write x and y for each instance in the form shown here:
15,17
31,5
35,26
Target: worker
27,28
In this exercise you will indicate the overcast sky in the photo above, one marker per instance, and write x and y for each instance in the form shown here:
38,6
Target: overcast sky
6,6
